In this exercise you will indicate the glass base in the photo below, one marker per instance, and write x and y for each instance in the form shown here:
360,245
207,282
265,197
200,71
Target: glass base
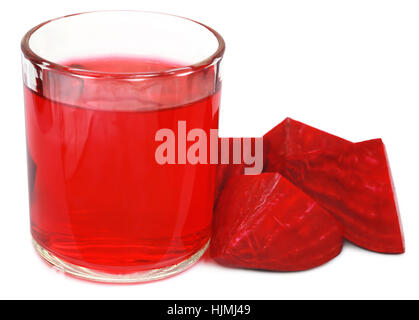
93,275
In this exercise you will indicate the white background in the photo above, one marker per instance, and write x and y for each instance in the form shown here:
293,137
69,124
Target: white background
348,67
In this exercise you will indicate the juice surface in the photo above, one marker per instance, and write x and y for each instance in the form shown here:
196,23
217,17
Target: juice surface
98,198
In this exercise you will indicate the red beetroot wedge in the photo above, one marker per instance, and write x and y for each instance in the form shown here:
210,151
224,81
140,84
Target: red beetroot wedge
291,137
265,222
355,185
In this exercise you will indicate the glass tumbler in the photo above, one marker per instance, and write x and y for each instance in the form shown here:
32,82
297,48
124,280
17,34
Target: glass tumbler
115,103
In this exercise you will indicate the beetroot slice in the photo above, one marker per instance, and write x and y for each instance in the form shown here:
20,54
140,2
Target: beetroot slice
291,137
355,185
265,222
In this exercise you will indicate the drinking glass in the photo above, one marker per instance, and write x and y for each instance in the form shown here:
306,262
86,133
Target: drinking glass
99,89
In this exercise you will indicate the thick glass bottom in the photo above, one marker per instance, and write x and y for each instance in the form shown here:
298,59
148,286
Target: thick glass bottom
137,277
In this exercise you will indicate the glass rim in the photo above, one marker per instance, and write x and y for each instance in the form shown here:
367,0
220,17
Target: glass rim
45,63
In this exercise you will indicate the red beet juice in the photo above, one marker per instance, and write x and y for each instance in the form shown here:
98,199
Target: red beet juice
98,198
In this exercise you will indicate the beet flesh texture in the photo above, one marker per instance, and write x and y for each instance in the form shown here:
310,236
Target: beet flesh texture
351,180
292,137
265,222
226,171
223,174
